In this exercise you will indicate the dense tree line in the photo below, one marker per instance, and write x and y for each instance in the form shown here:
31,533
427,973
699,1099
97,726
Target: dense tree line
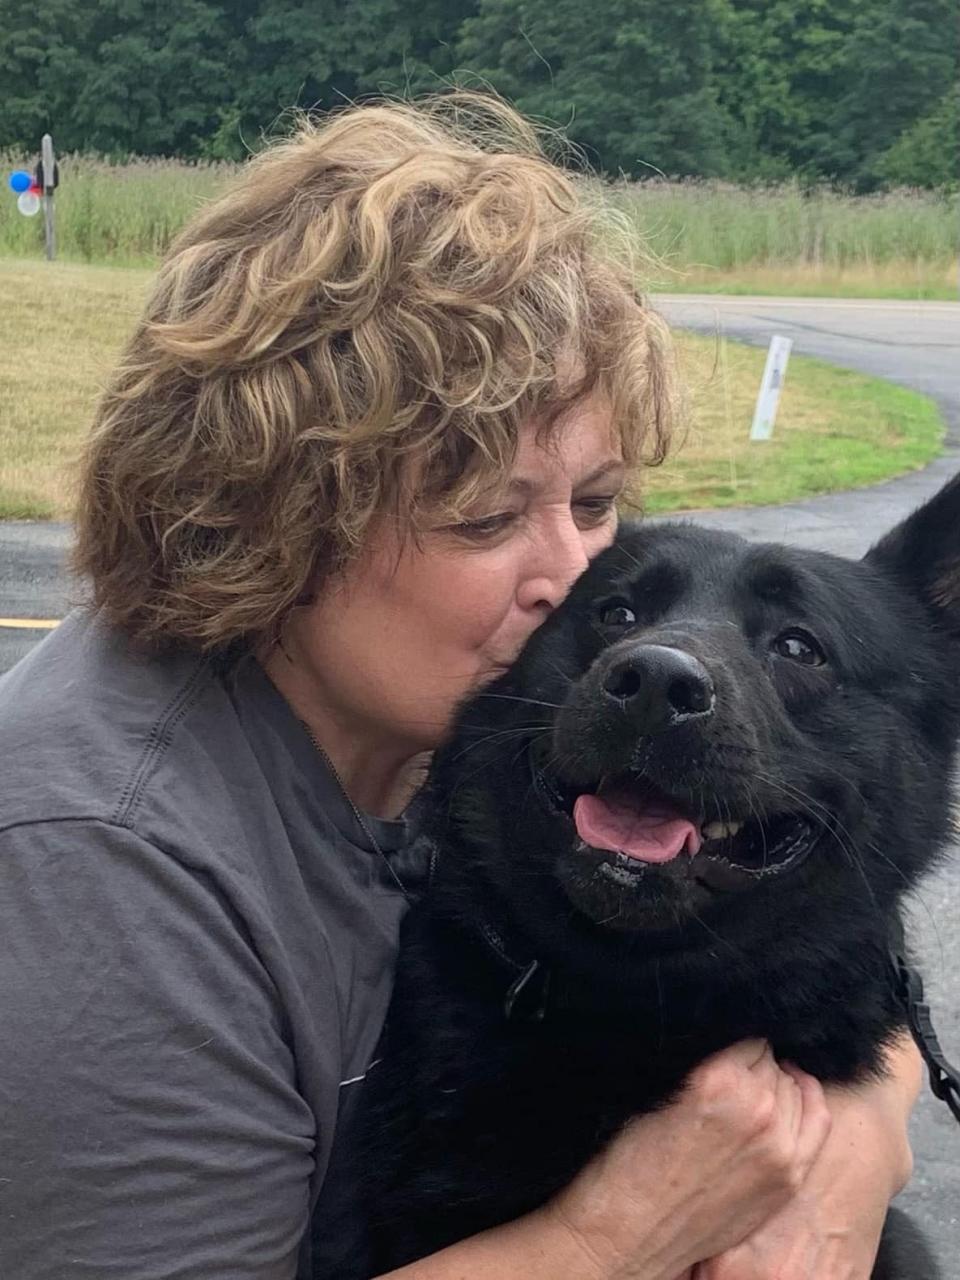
860,92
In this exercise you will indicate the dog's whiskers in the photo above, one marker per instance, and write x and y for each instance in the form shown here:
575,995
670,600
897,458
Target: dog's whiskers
511,697
818,813
499,734
914,890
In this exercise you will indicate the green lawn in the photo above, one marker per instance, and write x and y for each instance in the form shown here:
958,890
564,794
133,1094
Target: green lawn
62,325
835,430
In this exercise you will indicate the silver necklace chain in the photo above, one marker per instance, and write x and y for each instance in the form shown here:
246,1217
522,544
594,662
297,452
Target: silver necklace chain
356,812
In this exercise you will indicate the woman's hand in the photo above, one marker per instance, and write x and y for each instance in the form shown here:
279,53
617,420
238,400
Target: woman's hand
831,1228
699,1176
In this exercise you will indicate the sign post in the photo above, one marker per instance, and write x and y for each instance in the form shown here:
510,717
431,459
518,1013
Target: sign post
48,169
768,400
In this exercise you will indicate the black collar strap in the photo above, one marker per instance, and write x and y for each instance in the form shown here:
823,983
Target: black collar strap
528,993
944,1078
526,997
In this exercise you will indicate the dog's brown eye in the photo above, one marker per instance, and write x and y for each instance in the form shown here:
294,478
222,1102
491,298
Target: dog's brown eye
799,646
616,614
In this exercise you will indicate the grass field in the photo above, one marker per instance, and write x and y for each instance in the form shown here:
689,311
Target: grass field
835,430
713,236
62,325
904,279
708,235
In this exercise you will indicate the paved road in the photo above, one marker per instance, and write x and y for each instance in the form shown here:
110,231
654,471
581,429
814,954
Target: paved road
914,344
33,582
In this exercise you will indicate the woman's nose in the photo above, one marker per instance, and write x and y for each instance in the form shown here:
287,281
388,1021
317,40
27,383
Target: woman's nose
559,560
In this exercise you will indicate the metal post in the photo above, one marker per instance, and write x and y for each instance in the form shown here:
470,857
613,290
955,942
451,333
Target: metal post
769,398
47,166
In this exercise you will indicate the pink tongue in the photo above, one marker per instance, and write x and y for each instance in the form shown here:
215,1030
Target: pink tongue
652,833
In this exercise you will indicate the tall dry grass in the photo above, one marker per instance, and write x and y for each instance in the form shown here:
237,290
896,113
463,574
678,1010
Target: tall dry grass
116,214
708,234
898,242
725,226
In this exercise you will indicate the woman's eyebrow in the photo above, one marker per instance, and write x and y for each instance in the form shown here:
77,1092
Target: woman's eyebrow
526,485
615,465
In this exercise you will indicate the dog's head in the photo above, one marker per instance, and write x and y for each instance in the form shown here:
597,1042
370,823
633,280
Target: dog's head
713,737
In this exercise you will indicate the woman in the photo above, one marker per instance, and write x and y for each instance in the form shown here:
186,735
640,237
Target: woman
373,424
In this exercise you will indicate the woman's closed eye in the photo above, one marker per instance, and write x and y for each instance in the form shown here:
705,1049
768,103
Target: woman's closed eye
596,510
485,527
588,511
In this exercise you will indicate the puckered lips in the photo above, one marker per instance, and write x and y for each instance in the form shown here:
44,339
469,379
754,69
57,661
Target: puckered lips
644,827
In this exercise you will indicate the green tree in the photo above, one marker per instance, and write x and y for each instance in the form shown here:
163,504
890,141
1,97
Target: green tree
115,76
928,153
825,91
40,59
630,80
851,90
302,53
153,76
900,58
780,73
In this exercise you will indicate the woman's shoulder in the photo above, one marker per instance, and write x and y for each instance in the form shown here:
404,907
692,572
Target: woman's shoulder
93,730
159,802
208,769
82,718
140,775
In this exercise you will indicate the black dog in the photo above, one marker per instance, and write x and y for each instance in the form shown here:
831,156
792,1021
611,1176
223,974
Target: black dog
687,816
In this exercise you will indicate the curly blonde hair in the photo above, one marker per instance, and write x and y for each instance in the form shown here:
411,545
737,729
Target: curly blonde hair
396,285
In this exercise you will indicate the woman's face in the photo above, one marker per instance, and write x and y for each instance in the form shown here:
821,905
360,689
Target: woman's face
396,643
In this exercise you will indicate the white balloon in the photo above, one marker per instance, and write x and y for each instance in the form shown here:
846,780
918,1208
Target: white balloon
28,203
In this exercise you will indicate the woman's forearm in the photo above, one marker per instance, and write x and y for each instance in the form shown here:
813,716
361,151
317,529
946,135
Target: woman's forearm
906,1067
877,1115
538,1246
832,1225
535,1247
671,1188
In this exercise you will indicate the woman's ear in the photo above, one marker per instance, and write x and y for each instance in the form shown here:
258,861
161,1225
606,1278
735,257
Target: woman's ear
923,554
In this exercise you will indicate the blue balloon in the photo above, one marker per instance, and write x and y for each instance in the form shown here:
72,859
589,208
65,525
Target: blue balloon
20,181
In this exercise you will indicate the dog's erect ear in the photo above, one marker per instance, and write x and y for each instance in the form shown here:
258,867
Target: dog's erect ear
923,553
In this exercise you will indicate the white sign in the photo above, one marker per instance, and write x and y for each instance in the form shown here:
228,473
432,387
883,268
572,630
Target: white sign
774,373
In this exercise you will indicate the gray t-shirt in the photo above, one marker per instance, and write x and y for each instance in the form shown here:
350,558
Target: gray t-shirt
197,945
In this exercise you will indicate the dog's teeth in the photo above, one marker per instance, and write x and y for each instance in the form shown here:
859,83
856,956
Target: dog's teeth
717,830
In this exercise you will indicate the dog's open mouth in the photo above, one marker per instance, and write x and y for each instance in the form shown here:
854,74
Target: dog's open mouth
644,827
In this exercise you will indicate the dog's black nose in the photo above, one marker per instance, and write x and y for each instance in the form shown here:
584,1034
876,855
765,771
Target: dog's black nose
660,687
